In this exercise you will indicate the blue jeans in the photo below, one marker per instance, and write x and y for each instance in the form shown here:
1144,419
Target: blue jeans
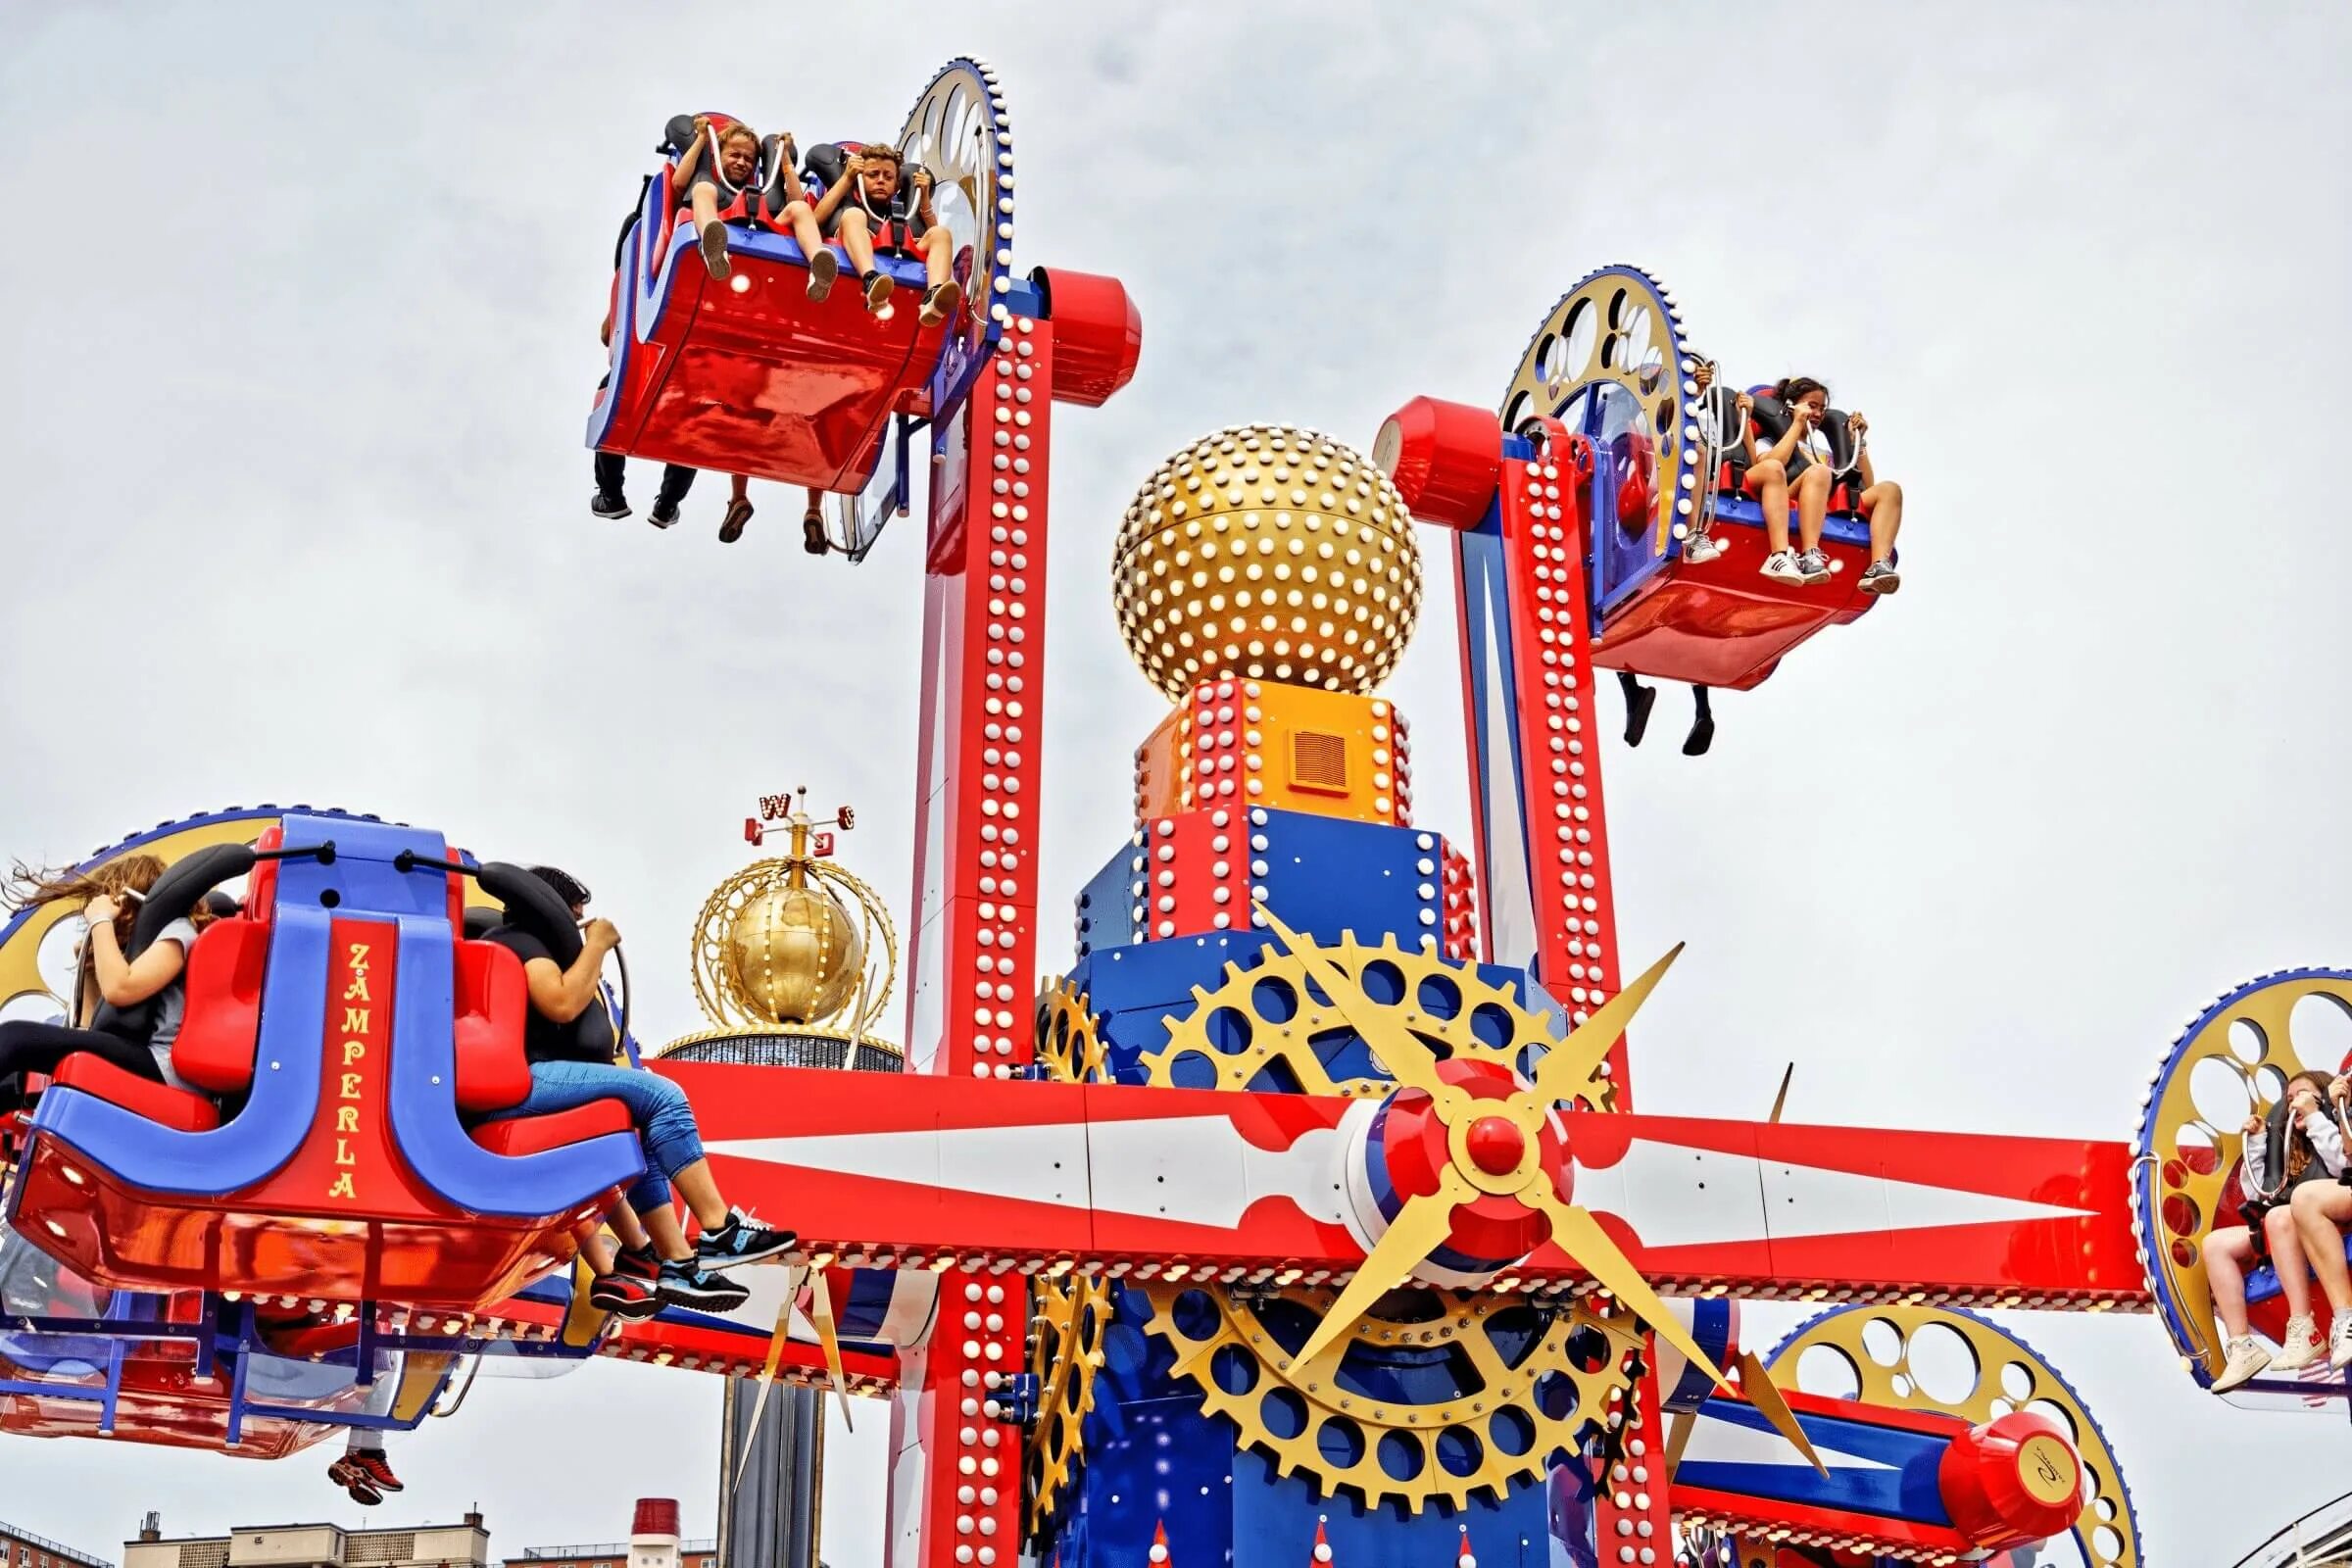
665,1120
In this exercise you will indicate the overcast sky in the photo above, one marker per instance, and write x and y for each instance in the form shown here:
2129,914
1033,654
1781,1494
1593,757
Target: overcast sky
301,334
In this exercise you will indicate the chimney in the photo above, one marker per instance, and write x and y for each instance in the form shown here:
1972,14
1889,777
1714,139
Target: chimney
150,1528
473,1516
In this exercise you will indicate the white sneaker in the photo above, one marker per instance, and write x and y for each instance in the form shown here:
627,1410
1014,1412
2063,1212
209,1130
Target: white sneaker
2247,1358
2339,1342
1700,547
2301,1349
1781,567
1813,566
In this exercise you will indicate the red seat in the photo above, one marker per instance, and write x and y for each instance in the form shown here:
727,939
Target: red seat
492,1000
176,1108
534,1135
219,1037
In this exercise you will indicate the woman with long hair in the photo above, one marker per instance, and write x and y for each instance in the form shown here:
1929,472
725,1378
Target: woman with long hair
1790,446
154,983
2311,1151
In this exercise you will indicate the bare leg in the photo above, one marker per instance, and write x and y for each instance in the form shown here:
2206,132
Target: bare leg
702,199
934,245
739,508
1882,505
1768,481
668,1238
593,1249
739,487
821,264
624,1225
943,294
2286,1259
2227,1255
2322,1210
1812,505
696,1185
857,238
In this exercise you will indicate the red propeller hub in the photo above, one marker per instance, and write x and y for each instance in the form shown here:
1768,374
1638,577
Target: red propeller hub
1495,1144
1406,1148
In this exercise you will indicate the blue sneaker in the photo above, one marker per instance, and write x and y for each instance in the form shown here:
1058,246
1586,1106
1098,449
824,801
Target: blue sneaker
688,1284
741,1240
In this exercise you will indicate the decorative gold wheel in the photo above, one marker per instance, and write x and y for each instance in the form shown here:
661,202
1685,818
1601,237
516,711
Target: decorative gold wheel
1619,327
1530,1383
2233,1059
1957,1363
1067,1045
1065,1353
1269,1027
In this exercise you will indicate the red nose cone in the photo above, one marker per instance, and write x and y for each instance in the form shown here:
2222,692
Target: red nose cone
1495,1144
656,1516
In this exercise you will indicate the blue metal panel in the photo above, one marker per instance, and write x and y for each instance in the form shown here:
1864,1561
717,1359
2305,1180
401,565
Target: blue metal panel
1326,876
1105,906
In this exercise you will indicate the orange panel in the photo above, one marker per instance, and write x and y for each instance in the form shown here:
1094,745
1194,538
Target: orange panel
1291,748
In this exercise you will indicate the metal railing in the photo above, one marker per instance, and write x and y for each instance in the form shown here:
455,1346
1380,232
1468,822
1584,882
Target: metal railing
54,1548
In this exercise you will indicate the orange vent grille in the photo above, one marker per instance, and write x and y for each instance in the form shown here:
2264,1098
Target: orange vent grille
1318,761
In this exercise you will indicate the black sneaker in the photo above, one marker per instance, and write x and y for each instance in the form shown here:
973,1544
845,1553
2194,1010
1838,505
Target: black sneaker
823,267
741,1240
632,1297
664,513
689,1284
605,504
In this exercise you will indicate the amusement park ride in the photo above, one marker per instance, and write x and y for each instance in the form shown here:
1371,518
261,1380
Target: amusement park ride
1307,1216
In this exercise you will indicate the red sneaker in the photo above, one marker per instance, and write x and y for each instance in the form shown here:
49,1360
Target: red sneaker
349,1474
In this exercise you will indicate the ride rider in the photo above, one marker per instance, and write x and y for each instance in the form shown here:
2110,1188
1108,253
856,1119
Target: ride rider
708,185
569,1042
2323,1212
1805,444
611,468
148,995
2309,1151
865,207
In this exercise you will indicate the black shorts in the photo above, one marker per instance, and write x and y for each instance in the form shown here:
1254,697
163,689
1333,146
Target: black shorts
893,234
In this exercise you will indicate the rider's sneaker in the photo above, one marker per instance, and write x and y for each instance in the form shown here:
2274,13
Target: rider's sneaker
1881,578
2339,1342
628,1296
741,1240
347,1473
664,513
605,504
379,1471
879,285
2247,1358
688,1284
2301,1347
715,249
823,267
1700,548
1814,566
1781,567
940,302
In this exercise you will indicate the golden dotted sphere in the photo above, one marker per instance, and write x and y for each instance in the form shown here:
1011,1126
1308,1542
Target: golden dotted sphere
794,955
1270,553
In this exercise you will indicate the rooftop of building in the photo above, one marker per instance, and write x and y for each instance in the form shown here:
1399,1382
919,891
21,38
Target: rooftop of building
55,1548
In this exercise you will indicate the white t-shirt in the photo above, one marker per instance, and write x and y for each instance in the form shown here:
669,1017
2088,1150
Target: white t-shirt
171,1003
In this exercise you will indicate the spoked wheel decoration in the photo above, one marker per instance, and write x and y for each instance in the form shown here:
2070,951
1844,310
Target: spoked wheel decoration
958,129
2233,1059
1612,349
1957,1363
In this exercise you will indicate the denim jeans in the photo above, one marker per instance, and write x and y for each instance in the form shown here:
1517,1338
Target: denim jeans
665,1120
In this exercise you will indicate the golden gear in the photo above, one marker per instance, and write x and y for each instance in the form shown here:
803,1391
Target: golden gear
2009,1376
1280,1018
2238,1063
1065,1352
1067,1043
1498,1431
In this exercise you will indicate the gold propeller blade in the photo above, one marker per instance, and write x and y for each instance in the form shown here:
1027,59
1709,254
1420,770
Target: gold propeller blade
821,1313
1678,1438
1406,1056
1414,1233
1571,1063
1780,1101
1765,1395
1578,1234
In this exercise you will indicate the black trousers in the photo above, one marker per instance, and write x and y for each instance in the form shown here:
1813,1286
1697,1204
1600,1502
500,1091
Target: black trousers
40,1047
611,468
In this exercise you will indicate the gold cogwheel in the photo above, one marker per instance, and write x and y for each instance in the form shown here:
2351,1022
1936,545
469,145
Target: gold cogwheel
1921,1357
1065,1352
1532,1382
1067,1043
1269,1018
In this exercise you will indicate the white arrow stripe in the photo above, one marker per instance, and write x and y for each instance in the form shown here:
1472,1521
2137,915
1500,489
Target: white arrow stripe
1717,1440
1680,1197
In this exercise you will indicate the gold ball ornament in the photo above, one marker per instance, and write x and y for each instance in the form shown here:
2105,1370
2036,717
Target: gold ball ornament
1268,552
794,955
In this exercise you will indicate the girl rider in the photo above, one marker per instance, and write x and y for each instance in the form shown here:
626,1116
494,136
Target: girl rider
2322,1210
138,1043
2314,1154
1793,459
